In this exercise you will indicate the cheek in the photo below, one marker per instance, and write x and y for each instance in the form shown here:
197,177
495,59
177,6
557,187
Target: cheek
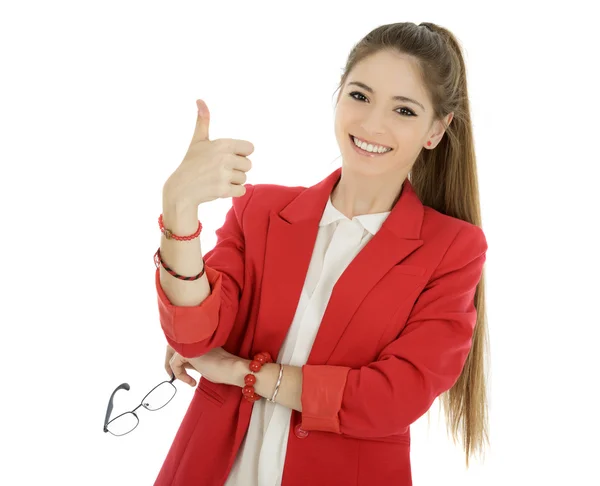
408,142
341,128
346,116
339,121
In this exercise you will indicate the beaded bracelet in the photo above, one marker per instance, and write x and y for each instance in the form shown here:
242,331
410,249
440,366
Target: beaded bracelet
170,236
250,379
158,261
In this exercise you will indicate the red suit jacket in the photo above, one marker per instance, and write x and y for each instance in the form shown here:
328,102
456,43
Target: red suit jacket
395,335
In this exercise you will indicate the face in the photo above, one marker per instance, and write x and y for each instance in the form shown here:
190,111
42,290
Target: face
367,110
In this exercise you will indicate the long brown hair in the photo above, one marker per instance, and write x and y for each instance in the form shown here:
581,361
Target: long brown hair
445,179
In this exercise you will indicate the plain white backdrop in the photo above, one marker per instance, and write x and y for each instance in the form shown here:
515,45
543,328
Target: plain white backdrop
97,110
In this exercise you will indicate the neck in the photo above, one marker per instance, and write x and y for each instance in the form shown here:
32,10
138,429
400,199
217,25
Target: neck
357,194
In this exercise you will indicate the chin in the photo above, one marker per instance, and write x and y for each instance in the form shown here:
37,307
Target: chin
363,169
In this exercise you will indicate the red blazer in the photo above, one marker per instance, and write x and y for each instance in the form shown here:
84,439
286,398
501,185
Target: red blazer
395,335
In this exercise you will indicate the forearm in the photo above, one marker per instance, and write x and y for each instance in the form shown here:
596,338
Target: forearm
290,389
183,257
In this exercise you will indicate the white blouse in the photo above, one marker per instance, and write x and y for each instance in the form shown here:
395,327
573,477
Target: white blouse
261,456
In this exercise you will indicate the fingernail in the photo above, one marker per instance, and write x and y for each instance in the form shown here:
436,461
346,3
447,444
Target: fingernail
201,110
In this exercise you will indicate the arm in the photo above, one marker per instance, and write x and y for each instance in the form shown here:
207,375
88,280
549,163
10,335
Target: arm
197,316
388,395
290,389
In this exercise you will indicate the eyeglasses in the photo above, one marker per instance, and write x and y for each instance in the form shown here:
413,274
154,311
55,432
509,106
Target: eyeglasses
156,399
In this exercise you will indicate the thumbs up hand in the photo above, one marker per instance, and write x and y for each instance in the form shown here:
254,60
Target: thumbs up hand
210,169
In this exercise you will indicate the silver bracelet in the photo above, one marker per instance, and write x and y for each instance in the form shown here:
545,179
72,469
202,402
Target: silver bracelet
272,399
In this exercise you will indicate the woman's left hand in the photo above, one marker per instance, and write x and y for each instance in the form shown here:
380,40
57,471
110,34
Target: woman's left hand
217,366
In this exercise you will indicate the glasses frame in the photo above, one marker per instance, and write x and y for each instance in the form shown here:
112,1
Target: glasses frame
125,386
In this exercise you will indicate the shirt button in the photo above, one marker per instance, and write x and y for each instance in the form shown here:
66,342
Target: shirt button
300,432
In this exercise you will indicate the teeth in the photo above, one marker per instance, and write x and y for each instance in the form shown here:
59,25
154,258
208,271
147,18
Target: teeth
377,149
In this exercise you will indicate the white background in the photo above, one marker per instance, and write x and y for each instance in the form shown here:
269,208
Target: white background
97,110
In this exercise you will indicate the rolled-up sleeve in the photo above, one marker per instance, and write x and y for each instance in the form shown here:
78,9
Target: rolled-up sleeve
386,396
195,330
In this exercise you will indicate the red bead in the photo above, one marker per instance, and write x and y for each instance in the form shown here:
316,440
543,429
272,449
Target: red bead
267,356
252,398
255,365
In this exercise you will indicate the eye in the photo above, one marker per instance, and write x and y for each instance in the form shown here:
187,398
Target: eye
358,93
407,110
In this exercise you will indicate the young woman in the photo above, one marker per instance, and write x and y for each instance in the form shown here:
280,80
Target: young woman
328,319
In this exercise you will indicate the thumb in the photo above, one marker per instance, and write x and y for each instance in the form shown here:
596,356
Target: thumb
202,122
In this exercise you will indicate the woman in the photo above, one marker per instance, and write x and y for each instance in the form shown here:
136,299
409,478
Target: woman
358,300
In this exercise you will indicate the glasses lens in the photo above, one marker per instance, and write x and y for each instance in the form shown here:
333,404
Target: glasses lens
123,424
159,397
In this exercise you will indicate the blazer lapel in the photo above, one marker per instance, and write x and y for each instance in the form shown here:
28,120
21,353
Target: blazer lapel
290,241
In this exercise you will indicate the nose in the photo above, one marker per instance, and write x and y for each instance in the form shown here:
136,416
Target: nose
373,125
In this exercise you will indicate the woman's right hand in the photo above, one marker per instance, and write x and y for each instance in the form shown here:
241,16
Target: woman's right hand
168,356
210,169
181,363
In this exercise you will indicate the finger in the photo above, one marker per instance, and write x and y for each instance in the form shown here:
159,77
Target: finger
235,146
236,190
238,177
202,122
179,371
168,356
237,162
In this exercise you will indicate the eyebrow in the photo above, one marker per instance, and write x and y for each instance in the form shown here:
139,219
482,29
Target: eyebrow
395,98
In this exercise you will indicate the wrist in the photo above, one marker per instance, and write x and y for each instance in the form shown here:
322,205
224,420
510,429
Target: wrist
174,203
178,217
177,208
241,368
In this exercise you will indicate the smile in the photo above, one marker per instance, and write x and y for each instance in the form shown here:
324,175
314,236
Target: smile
375,149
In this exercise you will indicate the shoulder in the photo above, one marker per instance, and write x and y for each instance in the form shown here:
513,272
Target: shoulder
276,194
450,231
266,197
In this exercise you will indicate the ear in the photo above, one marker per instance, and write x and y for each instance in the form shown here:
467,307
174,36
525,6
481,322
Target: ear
439,129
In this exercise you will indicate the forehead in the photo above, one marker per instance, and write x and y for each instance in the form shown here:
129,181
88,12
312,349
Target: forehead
389,74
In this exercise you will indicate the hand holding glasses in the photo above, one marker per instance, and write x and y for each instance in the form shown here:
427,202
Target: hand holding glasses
156,399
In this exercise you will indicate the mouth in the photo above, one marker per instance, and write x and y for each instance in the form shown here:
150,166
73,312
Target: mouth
364,152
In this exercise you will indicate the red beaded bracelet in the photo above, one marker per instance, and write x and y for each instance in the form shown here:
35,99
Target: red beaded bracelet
250,379
170,236
158,261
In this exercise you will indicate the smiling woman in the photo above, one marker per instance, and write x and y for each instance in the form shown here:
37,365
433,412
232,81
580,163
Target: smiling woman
349,305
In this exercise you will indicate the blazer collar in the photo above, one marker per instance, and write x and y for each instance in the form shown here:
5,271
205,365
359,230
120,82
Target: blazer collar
404,220
370,222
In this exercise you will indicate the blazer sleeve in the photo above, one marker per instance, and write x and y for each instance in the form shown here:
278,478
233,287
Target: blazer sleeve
427,358
194,330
